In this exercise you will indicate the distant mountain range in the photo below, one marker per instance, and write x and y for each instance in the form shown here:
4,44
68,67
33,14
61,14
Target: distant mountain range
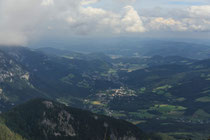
136,47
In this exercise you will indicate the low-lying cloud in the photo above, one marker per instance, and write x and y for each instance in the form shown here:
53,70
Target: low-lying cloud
24,19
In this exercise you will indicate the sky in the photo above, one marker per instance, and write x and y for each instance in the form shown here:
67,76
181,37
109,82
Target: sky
25,21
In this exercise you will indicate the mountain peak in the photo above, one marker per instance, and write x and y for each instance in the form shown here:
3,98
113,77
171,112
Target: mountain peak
42,119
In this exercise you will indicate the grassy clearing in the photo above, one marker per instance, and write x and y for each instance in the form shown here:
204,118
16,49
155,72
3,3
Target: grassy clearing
165,136
142,90
142,114
112,71
98,103
118,115
165,108
138,122
201,114
68,79
7,134
62,101
162,89
204,99
152,77
187,135
206,91
180,99
68,57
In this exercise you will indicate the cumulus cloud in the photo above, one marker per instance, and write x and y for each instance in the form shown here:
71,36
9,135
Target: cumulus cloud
87,2
165,24
99,20
19,19
132,20
47,2
199,11
188,19
23,20
12,38
126,1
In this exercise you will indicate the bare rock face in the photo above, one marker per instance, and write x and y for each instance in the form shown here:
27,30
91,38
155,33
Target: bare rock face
48,104
15,82
59,126
9,69
125,137
64,123
114,137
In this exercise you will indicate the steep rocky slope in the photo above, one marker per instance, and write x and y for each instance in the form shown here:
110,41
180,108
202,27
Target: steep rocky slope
42,119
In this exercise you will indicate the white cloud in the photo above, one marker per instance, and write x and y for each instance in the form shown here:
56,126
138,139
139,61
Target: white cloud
200,11
18,19
99,20
188,19
71,20
132,20
22,20
12,38
87,2
168,24
47,2
126,1
90,11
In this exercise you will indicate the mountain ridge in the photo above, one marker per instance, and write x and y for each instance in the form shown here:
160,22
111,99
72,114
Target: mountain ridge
42,119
